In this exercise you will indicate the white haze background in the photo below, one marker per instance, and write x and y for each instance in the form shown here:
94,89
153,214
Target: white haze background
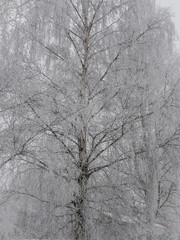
174,6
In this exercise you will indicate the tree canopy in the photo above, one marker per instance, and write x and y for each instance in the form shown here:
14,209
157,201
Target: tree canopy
89,140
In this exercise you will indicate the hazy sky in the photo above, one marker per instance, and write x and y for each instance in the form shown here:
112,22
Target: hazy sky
174,5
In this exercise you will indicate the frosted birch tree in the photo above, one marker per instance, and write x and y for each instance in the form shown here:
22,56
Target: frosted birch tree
88,83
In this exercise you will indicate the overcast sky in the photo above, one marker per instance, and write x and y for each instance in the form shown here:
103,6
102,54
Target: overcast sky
174,5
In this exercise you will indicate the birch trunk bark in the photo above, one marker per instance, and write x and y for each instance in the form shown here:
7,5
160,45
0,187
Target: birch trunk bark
82,164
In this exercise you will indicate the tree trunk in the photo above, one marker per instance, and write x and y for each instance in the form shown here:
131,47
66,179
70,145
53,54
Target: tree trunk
79,202
80,229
